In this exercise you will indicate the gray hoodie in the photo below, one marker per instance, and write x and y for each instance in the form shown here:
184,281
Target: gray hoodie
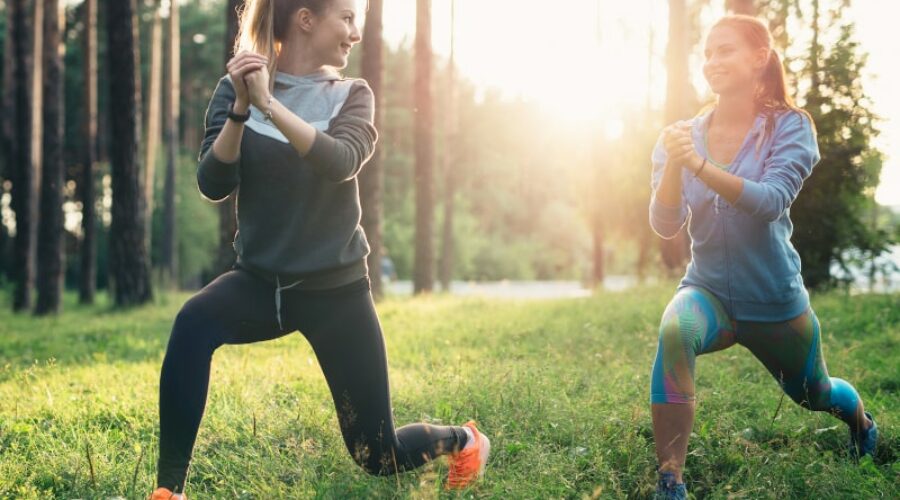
298,216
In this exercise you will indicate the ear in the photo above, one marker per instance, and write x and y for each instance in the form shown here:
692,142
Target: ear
305,19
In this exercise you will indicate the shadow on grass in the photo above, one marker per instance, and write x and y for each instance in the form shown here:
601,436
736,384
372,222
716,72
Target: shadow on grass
85,335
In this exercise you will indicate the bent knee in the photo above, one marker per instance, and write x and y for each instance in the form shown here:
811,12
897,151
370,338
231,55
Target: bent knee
671,332
195,323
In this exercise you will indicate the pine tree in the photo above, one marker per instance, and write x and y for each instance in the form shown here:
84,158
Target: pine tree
830,212
128,260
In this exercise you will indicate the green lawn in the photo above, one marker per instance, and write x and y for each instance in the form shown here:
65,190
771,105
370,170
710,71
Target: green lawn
561,387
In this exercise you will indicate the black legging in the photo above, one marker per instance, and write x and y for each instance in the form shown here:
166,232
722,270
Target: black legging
343,329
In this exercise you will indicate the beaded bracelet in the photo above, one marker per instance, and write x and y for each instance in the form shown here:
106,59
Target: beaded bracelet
268,111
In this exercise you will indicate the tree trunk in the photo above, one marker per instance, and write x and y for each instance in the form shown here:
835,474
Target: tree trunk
28,77
423,279
449,164
598,271
50,269
679,94
371,180
679,101
153,119
643,254
227,216
88,281
8,114
601,159
169,260
129,266
746,7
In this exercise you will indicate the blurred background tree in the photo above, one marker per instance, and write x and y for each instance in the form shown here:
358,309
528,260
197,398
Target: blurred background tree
514,194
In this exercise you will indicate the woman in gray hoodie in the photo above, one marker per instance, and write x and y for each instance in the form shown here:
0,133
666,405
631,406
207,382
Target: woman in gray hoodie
290,148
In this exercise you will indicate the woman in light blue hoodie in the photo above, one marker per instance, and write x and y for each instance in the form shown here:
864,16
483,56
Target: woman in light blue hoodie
731,174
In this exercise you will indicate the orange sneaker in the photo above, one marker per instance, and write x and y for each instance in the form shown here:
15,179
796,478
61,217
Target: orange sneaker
166,494
467,465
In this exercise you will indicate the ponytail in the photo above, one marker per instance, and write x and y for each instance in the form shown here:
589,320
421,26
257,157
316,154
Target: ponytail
771,96
264,25
772,92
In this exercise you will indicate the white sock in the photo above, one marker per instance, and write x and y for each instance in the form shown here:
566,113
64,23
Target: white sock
470,440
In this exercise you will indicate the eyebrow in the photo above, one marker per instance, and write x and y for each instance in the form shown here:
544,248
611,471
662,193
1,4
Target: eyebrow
720,46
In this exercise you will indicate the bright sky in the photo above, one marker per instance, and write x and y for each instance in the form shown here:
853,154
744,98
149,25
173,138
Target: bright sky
585,59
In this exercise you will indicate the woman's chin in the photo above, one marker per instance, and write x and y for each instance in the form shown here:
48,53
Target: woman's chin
340,62
723,89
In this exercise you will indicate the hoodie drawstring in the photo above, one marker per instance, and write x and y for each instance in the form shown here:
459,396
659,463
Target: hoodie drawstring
278,289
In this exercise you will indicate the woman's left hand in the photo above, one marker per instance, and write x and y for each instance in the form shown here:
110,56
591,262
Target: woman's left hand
258,87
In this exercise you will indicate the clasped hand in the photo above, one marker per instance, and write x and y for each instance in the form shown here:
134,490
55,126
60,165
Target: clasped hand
250,76
679,146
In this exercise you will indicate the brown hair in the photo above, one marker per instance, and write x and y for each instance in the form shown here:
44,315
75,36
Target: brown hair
771,96
264,24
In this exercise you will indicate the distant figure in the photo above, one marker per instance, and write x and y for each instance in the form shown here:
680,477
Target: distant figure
733,172
388,270
301,254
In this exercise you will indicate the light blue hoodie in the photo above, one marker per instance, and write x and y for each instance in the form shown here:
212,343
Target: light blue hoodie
742,253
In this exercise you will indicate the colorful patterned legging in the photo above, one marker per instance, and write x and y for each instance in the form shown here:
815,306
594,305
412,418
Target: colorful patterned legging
695,322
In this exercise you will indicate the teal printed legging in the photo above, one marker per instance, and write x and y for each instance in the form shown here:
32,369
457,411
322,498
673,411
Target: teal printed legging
695,322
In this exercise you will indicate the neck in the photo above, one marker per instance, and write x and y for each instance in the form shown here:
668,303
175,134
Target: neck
297,59
738,107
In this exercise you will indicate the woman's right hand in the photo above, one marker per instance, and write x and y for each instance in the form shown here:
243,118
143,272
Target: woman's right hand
677,142
242,63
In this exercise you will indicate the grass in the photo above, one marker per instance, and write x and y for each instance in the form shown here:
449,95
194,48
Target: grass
561,387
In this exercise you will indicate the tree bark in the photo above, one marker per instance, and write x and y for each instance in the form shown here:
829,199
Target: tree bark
88,280
449,163
679,101
423,279
746,7
169,257
6,133
598,269
51,256
129,265
371,180
153,119
26,174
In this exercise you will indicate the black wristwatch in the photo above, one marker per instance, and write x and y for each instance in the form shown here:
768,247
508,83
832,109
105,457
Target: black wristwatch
236,117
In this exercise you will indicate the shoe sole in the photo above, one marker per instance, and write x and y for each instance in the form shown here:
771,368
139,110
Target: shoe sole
484,453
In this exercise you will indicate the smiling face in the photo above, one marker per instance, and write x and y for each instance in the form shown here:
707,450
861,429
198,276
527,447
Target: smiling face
333,32
732,65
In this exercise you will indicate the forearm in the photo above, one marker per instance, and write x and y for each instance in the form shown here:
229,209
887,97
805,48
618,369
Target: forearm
728,186
227,146
667,209
669,191
299,133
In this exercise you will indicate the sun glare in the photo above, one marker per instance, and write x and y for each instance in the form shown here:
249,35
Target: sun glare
582,61
585,62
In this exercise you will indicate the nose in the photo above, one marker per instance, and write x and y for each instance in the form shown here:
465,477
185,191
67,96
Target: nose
355,35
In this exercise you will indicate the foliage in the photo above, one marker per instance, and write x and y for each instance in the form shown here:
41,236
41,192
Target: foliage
831,213
531,192
196,224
